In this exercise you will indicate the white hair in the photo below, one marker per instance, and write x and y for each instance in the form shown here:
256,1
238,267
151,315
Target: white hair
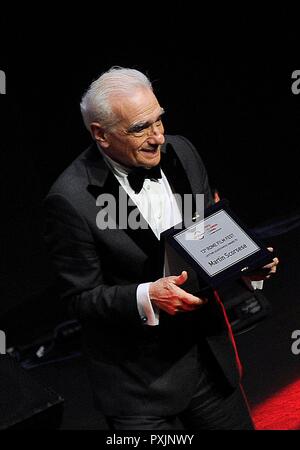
96,102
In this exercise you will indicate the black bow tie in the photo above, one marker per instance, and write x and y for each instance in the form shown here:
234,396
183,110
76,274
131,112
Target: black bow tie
137,176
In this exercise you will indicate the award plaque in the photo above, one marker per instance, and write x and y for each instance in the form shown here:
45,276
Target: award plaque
213,249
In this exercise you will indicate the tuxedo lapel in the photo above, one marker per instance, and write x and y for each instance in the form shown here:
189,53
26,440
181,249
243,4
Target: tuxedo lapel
102,181
174,170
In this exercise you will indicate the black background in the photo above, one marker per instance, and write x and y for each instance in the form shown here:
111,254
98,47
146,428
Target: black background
223,76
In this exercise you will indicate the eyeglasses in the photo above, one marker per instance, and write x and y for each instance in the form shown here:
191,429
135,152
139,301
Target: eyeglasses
146,129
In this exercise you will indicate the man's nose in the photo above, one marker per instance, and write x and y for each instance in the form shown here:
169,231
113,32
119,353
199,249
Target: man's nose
156,137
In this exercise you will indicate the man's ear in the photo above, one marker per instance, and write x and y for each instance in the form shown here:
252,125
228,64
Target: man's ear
98,134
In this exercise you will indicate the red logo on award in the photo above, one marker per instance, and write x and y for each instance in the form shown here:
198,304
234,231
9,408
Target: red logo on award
212,228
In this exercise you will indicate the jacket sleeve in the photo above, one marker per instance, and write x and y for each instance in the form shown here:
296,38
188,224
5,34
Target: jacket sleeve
72,250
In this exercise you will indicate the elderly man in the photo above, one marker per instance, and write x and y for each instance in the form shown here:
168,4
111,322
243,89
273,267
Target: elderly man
159,357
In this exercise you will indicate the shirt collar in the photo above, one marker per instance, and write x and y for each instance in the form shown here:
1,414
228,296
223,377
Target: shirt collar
116,167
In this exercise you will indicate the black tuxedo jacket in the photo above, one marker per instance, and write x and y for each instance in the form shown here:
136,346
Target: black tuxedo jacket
135,368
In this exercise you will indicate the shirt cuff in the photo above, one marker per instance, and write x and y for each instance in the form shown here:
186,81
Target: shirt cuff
257,284
252,285
148,313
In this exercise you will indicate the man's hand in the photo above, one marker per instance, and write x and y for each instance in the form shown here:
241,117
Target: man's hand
266,271
166,294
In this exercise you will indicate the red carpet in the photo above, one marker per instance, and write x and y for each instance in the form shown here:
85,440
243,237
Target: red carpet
281,411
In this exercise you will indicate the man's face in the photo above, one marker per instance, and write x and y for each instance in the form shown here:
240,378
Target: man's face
137,138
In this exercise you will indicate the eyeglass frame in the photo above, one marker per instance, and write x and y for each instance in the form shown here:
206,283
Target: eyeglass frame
146,128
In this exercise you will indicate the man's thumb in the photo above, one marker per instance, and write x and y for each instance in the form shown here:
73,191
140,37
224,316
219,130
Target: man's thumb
181,278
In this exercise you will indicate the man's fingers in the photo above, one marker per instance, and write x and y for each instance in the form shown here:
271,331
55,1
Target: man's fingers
167,295
190,306
184,296
192,300
187,298
272,264
273,268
